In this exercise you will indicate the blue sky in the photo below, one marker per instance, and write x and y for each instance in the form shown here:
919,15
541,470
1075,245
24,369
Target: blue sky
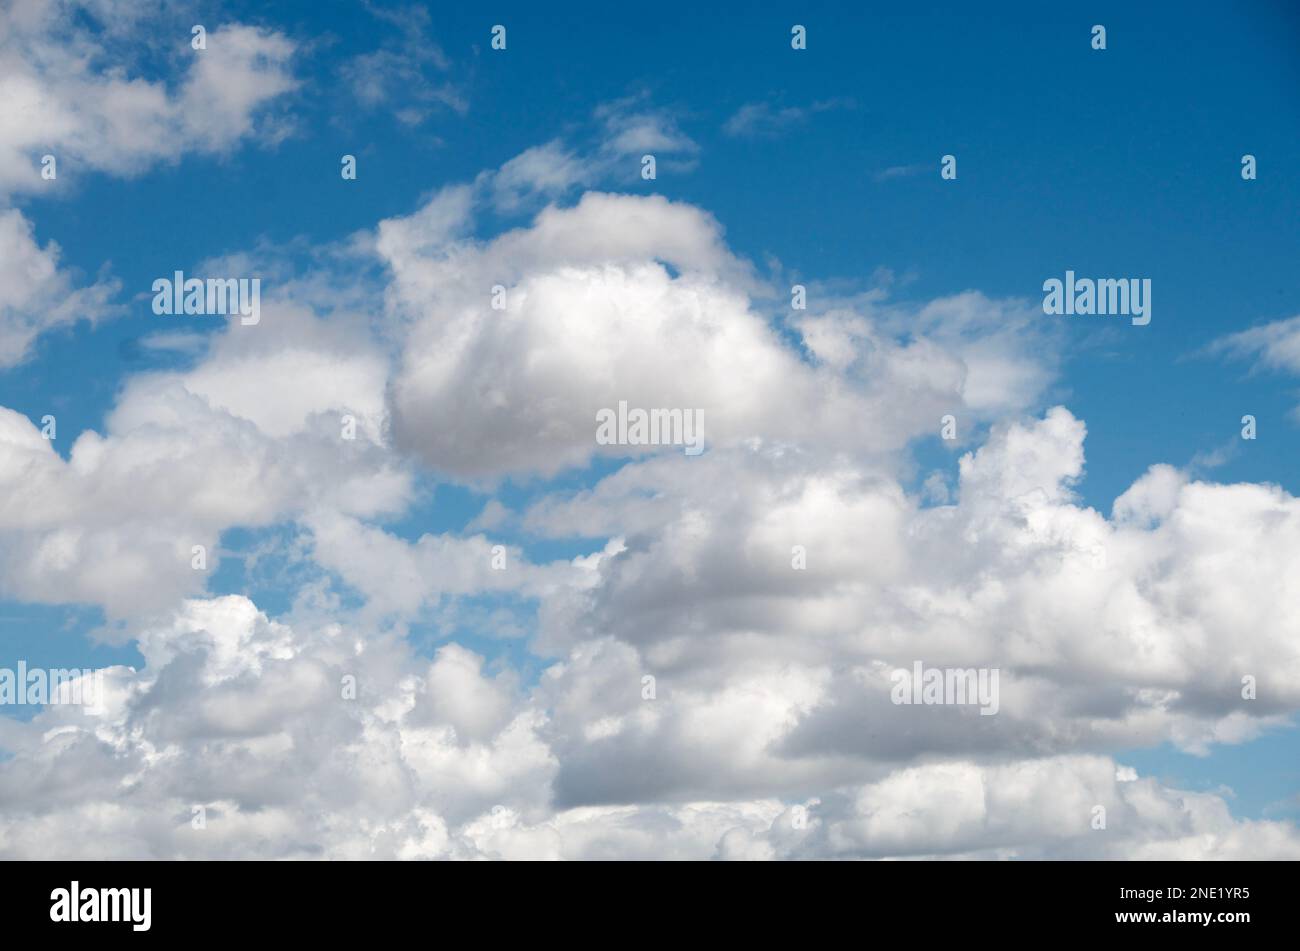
1123,162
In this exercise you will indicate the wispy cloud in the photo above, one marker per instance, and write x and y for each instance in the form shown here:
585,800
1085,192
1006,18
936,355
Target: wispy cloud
897,171
608,149
763,120
408,75
1275,345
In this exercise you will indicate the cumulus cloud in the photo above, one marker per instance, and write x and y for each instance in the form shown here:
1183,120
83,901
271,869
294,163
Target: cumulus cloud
65,98
400,579
1032,810
251,720
251,436
1107,632
245,737
620,298
713,673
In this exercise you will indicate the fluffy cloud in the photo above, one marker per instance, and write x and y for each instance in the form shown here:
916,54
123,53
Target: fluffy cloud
1036,809
66,99
252,720
251,724
251,436
1107,633
639,300
399,580
718,665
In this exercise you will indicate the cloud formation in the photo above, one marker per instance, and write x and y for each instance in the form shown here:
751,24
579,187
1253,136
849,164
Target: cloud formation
710,676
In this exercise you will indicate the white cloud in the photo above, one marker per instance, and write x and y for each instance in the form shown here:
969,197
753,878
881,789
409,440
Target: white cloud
772,685
409,76
1276,345
1106,634
248,718
548,170
251,436
1036,809
620,298
632,130
64,98
37,295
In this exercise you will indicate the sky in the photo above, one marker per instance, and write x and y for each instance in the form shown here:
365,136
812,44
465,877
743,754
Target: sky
472,628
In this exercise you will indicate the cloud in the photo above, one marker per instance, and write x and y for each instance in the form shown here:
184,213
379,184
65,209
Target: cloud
1276,345
638,299
250,725
772,684
609,149
36,295
1032,810
632,129
251,436
65,99
770,731
1106,633
548,170
763,120
898,171
400,579
407,77
242,70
